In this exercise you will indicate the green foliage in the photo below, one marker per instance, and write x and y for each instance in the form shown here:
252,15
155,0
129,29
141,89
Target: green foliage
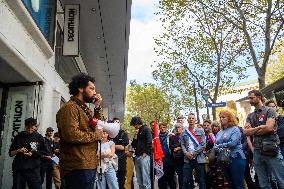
197,46
258,23
149,102
275,68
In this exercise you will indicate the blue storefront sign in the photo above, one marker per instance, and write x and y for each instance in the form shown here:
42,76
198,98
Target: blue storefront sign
43,13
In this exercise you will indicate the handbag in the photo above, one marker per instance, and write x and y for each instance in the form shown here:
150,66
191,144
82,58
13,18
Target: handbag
224,157
269,147
211,155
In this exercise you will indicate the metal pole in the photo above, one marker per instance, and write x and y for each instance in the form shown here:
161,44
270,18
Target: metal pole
208,115
196,103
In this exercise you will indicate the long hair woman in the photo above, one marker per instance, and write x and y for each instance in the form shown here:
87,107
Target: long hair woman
229,137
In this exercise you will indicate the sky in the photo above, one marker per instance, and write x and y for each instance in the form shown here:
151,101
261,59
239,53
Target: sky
144,26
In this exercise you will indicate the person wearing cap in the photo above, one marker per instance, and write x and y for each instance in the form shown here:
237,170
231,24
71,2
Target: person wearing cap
27,148
176,151
47,163
142,143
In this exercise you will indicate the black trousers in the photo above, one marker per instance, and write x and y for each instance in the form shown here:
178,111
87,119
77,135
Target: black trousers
179,170
121,172
46,170
31,177
167,180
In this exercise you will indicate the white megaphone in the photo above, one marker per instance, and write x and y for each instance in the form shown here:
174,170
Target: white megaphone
111,128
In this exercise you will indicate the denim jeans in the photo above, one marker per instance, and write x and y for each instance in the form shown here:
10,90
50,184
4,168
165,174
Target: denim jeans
109,178
282,150
265,165
187,174
142,168
83,179
235,172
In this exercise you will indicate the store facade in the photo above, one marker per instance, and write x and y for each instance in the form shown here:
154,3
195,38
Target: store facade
34,74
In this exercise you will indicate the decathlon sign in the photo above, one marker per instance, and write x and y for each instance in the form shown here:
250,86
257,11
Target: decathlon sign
17,115
71,30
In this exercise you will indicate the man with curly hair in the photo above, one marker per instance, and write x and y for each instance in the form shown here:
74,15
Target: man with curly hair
78,146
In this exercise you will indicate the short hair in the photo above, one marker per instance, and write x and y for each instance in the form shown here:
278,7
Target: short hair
136,120
231,117
160,124
191,114
29,122
178,125
79,81
56,134
207,121
115,118
270,101
180,117
256,93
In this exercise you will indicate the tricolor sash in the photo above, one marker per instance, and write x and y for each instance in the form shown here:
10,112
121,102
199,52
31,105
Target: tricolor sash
212,137
189,132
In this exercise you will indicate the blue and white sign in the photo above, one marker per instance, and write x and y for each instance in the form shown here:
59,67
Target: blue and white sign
218,104
43,13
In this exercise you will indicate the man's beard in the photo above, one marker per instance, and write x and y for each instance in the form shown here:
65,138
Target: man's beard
87,99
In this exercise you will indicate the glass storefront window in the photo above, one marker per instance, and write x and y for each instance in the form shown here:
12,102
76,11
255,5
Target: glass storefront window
43,13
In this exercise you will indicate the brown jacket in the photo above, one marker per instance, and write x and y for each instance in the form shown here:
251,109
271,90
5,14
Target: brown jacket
77,140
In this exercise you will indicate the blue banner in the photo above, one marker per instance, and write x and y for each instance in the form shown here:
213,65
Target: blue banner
43,13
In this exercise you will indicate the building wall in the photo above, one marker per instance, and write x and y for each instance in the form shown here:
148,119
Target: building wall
236,93
23,51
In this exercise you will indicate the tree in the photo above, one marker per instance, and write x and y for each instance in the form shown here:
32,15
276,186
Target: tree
275,66
147,101
259,22
197,47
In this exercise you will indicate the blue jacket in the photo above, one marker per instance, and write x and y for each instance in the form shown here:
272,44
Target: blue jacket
198,150
164,140
231,138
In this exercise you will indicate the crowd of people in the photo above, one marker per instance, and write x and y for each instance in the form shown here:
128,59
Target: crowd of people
217,154
222,153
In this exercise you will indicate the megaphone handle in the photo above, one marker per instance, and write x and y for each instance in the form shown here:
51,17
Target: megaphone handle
101,171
